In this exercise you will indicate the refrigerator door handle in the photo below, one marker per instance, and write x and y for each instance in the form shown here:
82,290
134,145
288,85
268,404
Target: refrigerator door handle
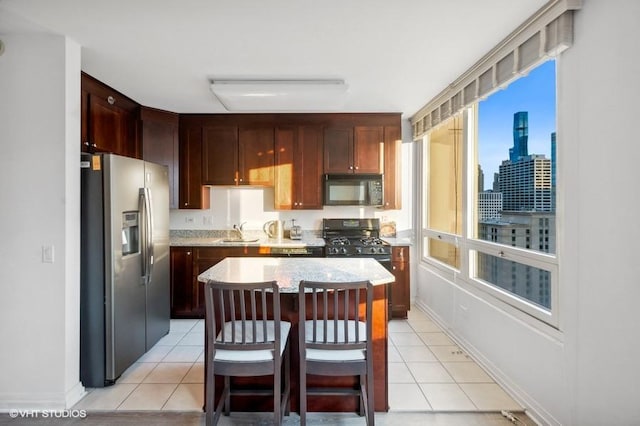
146,238
142,207
149,220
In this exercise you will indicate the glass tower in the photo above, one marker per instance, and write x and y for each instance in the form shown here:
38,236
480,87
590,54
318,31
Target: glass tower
520,136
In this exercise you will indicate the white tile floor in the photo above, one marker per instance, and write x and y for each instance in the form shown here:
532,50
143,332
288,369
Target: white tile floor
427,372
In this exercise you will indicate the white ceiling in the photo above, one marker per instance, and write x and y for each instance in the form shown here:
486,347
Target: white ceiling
395,55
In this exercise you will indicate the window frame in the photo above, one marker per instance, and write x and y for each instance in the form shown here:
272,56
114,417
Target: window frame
469,245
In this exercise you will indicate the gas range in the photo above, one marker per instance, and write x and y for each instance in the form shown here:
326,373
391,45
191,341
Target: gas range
354,237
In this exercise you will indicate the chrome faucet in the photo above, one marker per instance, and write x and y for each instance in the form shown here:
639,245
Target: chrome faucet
238,229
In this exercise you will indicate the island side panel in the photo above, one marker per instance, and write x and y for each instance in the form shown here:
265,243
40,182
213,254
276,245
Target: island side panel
380,347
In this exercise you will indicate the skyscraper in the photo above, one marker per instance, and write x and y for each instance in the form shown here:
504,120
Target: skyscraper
526,189
520,136
526,184
489,206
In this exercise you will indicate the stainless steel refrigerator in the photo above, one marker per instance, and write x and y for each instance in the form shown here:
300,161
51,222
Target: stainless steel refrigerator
124,272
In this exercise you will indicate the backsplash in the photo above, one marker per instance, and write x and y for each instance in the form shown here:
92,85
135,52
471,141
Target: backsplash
254,207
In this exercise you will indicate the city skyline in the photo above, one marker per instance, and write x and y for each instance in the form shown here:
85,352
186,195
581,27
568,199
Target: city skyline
534,94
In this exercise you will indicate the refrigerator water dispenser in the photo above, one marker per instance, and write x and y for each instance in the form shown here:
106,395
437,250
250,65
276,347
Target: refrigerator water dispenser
130,233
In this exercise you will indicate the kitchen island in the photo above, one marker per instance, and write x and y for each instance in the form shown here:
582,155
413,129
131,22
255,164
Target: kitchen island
288,272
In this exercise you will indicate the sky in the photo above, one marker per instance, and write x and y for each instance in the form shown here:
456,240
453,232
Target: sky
534,93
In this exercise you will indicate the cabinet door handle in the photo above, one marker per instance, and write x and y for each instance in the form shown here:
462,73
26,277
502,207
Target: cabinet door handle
394,268
356,167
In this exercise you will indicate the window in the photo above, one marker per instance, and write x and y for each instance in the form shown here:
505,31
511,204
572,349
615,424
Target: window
444,211
515,144
508,178
510,135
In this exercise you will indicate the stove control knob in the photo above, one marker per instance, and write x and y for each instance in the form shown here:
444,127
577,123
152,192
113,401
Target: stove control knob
359,250
344,250
373,250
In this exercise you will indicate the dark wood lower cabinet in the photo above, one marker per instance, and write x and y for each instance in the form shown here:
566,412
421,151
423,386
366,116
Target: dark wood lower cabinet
182,288
187,294
400,289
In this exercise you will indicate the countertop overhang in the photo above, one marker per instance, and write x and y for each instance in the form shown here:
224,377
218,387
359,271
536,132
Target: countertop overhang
288,272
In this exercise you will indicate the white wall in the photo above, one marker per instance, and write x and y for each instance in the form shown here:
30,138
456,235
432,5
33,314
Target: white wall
588,373
39,171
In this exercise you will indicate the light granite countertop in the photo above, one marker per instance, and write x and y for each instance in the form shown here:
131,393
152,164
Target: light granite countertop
214,238
264,242
289,271
200,238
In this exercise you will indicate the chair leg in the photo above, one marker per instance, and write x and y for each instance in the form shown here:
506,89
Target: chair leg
303,392
277,394
211,398
370,398
227,395
363,395
287,380
213,411
223,397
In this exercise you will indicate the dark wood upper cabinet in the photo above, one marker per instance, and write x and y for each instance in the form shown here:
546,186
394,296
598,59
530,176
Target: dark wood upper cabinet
159,130
338,150
233,155
368,146
255,156
298,169
192,194
108,120
220,155
288,151
353,149
392,168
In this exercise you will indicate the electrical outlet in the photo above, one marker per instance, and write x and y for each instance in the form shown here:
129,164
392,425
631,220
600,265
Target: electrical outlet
207,220
188,219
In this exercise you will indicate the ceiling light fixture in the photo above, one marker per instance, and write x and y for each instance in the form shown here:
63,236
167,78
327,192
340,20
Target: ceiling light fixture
280,94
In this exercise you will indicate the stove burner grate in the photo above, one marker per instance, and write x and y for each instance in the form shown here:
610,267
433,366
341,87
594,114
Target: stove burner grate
371,241
340,241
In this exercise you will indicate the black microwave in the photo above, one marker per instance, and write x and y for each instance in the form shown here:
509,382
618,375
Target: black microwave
353,190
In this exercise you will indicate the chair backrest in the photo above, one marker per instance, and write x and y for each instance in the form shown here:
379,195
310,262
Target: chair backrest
243,316
340,314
